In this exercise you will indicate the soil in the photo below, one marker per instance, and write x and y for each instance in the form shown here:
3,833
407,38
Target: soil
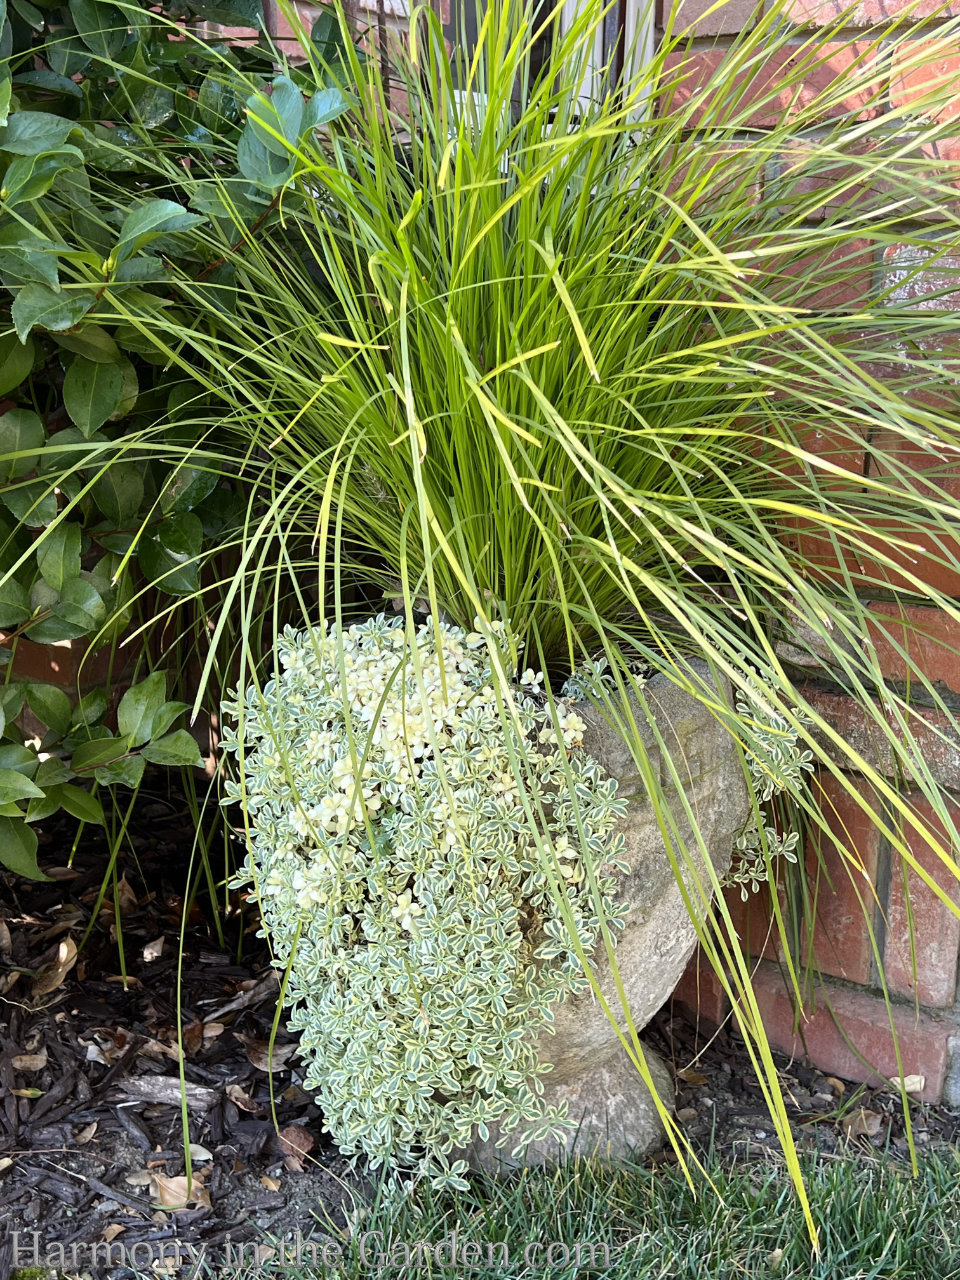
92,1145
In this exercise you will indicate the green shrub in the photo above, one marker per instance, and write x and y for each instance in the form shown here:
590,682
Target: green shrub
110,493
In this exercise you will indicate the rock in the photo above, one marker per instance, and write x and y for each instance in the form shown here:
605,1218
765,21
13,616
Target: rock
612,1108
591,1070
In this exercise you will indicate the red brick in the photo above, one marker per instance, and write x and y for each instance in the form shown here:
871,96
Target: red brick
936,735
819,13
842,870
66,664
768,93
754,922
936,928
815,187
692,17
866,1024
929,639
925,77
839,278
925,560
701,991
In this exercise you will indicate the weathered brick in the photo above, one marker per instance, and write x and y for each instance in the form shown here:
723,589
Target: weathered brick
818,13
767,94
695,16
865,1021
919,278
842,871
839,278
936,736
908,638
925,76
936,929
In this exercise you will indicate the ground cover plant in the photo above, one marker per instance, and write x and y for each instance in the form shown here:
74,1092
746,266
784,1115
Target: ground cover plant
528,354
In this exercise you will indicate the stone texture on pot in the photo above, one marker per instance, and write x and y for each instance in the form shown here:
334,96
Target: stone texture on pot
591,1069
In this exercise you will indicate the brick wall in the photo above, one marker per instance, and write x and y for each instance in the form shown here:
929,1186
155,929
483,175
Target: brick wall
860,904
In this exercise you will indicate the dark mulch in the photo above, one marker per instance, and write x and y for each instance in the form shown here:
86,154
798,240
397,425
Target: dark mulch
91,1126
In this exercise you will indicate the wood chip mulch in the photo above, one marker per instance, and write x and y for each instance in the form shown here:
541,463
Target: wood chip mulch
91,1123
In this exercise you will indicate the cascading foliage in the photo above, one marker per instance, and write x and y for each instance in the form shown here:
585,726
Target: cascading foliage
401,884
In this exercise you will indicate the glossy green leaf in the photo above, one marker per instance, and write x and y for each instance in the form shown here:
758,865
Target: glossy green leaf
119,492
51,706
43,806
58,554
16,361
100,751
152,219
21,439
277,120
126,772
18,849
92,391
178,748
33,503
324,106
29,133
261,165
29,177
67,54
169,552
83,806
37,307
92,342
14,604
16,786
139,706
187,488
102,27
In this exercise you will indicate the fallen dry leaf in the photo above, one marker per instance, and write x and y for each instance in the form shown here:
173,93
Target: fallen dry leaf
139,1178
179,1192
862,1123
6,942
836,1085
260,1056
111,1231
27,1093
5,1163
241,1099
212,1029
86,1133
199,1153
295,1143
272,1184
192,1037
153,950
125,896
689,1076
29,1061
910,1084
49,978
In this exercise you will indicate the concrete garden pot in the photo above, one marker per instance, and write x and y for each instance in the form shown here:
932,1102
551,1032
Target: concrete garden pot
592,1071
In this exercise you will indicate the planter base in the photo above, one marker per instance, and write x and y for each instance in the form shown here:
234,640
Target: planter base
616,1117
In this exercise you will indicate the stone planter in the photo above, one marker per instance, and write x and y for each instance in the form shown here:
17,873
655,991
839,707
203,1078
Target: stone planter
591,1070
